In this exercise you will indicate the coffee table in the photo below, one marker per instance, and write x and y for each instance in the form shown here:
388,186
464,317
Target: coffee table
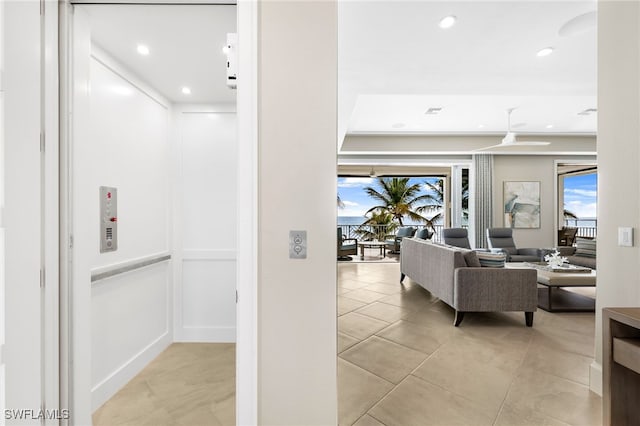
372,244
552,297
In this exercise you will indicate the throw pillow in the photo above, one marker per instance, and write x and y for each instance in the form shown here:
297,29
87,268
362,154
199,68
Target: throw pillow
472,259
585,247
491,260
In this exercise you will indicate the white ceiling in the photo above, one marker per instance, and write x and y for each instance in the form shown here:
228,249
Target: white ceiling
185,44
395,62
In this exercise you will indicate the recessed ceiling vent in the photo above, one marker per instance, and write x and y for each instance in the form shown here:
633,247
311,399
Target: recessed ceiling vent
433,111
588,111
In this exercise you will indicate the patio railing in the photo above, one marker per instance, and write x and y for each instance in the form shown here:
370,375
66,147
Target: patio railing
583,231
382,232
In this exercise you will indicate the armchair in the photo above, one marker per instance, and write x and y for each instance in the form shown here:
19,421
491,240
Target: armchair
502,238
456,237
567,236
394,245
346,246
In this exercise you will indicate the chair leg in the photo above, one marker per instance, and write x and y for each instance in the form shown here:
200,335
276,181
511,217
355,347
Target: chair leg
528,317
402,277
459,317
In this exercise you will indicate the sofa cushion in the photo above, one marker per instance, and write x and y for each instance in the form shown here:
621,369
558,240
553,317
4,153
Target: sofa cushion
491,260
472,259
587,262
585,247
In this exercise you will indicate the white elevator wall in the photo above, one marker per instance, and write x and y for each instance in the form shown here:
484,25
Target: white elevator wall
205,286
128,148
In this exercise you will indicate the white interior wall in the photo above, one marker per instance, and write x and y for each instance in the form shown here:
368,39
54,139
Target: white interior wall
124,143
618,158
205,225
529,168
297,100
2,167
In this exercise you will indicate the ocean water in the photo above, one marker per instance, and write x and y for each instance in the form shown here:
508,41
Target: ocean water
359,220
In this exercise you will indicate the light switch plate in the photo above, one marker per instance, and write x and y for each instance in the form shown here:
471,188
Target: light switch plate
625,236
297,244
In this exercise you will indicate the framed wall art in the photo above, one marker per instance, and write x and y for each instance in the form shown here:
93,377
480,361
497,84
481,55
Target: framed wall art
521,204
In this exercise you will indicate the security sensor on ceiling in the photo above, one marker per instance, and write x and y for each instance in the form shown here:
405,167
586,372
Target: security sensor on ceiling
231,50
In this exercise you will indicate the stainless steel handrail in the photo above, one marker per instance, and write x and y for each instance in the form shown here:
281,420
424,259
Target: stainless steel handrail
125,267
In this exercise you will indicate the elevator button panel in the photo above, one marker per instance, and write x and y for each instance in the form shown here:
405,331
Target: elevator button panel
108,219
297,244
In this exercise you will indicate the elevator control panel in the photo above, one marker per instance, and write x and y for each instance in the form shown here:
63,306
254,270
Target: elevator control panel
108,219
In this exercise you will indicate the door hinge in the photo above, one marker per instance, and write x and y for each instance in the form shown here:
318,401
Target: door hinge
236,296
70,241
41,7
42,278
41,141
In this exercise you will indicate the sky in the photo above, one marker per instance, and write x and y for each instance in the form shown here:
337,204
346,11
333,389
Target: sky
579,194
356,201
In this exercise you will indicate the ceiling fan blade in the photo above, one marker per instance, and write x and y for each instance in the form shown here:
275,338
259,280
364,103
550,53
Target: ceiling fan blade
530,143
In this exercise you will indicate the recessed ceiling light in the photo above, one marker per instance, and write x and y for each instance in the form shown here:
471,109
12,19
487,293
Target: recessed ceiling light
433,110
480,126
143,49
398,125
226,49
549,126
545,52
447,21
186,91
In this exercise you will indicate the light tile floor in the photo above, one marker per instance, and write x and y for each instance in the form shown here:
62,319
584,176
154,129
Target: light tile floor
402,362
187,384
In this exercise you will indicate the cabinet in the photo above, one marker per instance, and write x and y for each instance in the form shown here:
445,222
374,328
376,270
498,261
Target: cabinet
621,359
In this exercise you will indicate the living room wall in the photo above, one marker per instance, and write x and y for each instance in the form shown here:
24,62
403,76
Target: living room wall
530,168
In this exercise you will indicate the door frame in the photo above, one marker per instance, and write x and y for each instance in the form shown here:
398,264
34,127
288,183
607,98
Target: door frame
247,247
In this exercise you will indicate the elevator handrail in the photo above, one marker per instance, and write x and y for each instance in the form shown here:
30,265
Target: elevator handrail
128,266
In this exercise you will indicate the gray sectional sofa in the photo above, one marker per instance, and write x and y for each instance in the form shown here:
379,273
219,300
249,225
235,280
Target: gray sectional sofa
583,254
443,271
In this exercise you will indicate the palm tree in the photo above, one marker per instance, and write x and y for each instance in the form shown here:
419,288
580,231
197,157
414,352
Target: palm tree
436,199
569,214
340,202
399,199
378,226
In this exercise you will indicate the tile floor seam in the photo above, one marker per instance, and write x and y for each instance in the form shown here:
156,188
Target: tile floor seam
513,379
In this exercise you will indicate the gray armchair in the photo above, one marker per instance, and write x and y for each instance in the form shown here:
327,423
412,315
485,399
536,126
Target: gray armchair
393,245
424,234
502,238
457,237
346,246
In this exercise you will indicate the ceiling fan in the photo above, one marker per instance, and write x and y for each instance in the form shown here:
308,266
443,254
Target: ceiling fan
510,138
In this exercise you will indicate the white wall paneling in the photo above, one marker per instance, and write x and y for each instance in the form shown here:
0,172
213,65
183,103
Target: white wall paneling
206,144
2,167
120,139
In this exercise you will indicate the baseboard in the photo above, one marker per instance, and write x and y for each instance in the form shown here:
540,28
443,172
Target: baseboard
595,378
116,380
206,334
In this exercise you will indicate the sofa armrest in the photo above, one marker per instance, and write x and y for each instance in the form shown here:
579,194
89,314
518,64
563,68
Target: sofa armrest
530,252
495,289
566,251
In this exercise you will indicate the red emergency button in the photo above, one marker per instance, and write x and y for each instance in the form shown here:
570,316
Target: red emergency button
114,219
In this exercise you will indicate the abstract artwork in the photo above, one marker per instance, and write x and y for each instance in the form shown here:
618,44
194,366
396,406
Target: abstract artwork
522,204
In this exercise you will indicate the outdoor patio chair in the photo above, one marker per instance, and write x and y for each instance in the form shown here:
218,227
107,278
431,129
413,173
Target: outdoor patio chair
424,234
346,246
458,237
393,245
567,236
501,239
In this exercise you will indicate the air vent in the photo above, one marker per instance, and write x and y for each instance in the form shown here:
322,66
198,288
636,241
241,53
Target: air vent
588,111
433,111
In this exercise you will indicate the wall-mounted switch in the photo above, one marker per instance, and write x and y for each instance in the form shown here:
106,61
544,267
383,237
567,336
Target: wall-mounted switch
625,236
297,244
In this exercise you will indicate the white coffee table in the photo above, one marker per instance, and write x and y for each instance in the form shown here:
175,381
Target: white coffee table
552,297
